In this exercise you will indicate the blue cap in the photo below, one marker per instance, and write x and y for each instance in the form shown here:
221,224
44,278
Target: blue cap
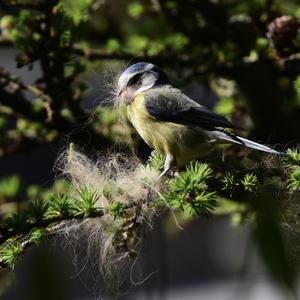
138,67
141,67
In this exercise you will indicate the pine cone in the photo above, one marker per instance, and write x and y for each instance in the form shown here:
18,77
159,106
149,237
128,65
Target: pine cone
282,34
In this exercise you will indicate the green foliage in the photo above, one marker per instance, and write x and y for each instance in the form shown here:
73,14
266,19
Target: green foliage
156,160
86,201
138,43
37,210
225,106
293,157
292,161
229,182
16,223
9,187
135,9
117,209
262,42
34,192
37,235
9,253
7,22
113,45
249,182
294,180
61,205
190,192
77,11
176,41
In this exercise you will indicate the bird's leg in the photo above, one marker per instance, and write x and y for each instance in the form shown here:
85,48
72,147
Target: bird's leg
169,163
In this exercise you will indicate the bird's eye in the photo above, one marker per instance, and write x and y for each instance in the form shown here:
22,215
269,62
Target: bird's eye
134,79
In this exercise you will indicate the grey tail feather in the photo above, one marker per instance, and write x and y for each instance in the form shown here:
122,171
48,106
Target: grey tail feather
250,144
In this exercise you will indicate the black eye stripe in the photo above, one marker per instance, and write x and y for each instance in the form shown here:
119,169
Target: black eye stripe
134,79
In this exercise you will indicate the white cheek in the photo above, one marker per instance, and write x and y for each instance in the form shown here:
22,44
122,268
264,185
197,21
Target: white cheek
143,88
147,83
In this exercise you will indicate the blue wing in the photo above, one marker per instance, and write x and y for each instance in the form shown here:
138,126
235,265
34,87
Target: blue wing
171,105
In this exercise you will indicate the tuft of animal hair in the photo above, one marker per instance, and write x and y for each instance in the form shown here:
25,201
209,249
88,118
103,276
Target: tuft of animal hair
109,91
107,244
110,74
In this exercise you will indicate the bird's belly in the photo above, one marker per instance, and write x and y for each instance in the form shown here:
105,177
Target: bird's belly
183,142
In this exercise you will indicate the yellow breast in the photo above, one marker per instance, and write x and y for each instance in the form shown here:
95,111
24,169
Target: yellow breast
166,137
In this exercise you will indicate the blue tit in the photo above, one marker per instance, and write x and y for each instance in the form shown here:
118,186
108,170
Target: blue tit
169,121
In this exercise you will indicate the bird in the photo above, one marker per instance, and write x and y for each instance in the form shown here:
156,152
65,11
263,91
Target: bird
171,122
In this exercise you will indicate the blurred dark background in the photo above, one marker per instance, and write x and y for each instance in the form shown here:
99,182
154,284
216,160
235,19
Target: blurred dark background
57,62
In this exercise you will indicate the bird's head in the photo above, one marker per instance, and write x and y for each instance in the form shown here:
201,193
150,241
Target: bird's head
139,78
